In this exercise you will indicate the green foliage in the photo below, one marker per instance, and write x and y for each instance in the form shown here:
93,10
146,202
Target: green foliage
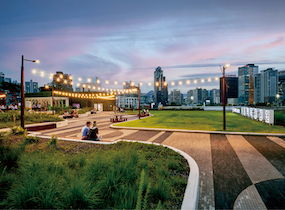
53,142
17,130
7,118
279,118
118,176
205,120
31,139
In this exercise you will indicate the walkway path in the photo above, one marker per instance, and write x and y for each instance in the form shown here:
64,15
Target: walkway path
236,171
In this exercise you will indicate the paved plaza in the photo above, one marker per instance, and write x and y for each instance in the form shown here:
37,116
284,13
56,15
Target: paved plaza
236,171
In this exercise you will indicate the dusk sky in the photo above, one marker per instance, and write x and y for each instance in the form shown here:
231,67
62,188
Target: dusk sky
127,39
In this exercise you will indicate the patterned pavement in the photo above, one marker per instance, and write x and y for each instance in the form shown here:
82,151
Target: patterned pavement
236,171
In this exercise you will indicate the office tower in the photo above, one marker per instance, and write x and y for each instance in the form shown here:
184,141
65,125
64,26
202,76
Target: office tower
266,86
160,87
2,76
231,90
281,86
7,80
31,87
215,96
246,83
175,97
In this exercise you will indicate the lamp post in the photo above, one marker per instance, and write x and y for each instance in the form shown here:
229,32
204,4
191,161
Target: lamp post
23,89
224,96
139,96
278,96
52,96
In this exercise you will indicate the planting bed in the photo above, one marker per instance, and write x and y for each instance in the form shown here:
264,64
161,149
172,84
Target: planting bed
38,173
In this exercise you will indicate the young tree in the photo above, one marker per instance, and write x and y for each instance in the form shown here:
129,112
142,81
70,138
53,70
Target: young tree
12,88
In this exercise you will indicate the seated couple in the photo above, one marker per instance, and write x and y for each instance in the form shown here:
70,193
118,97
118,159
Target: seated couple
90,133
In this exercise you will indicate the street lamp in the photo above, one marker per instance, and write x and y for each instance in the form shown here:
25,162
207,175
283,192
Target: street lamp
224,96
52,96
278,96
22,90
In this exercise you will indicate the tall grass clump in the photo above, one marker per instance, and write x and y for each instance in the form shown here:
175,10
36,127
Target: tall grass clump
120,176
53,142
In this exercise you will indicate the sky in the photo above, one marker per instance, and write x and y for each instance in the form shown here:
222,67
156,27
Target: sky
126,40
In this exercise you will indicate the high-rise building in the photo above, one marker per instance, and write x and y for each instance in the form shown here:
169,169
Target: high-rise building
231,90
197,96
281,86
266,86
7,80
2,76
246,83
215,96
62,81
160,87
31,87
175,97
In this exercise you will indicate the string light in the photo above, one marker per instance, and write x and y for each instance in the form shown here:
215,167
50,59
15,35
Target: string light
57,79
209,80
107,82
34,71
115,82
70,77
79,79
88,80
141,84
180,83
188,82
157,84
202,80
165,83
65,81
61,76
172,83
94,88
124,83
42,74
149,84
216,78
195,81
98,81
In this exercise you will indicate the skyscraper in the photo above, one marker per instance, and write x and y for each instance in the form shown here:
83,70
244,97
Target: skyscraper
160,87
31,87
175,97
246,83
231,89
266,86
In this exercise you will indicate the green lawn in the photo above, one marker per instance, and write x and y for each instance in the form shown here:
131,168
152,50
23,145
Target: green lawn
203,120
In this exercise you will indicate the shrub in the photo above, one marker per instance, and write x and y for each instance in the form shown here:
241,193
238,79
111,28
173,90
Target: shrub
31,139
279,118
17,130
53,142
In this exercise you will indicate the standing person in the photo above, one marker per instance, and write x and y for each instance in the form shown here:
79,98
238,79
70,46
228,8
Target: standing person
85,130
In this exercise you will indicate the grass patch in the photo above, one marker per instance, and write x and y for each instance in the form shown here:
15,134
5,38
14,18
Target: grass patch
203,120
13,118
80,175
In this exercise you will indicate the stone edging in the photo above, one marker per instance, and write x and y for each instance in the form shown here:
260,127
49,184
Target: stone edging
198,131
191,195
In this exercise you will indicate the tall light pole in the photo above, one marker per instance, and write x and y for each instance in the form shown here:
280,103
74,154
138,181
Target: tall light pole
224,96
139,96
52,96
277,96
22,91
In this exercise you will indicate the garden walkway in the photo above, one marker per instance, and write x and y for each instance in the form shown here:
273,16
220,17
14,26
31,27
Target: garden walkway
236,171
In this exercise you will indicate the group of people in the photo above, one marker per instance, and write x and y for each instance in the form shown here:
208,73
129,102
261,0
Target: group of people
89,133
74,113
10,107
37,107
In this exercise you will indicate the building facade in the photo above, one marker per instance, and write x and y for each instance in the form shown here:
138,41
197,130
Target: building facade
62,82
266,86
160,87
175,97
231,89
31,87
127,101
215,96
246,83
281,86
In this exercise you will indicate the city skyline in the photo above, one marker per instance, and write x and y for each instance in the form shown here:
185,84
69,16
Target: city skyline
127,40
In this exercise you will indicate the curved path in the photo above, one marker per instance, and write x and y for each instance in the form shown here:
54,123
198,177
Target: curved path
236,171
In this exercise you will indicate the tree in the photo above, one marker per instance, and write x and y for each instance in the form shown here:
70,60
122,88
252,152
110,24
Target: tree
12,88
